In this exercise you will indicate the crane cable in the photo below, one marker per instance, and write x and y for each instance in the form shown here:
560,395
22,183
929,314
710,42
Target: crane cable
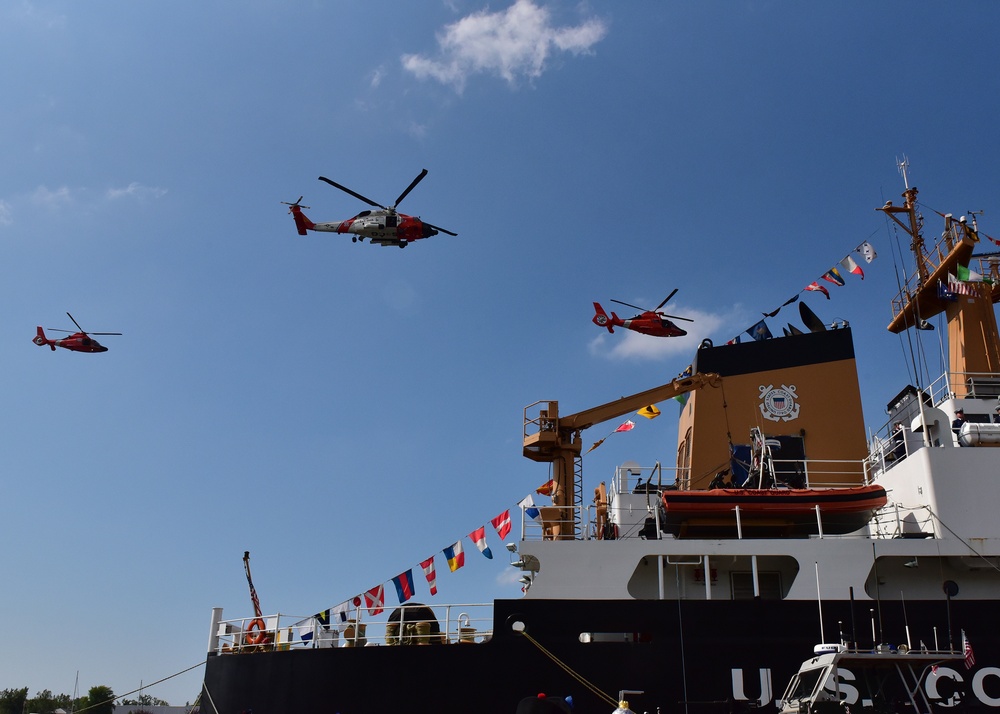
145,686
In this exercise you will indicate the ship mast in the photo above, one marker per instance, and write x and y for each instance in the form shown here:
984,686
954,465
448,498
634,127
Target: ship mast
973,341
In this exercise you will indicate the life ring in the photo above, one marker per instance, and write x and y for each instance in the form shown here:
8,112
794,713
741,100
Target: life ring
259,637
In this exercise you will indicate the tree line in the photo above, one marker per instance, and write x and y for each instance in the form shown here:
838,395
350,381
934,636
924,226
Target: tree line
98,700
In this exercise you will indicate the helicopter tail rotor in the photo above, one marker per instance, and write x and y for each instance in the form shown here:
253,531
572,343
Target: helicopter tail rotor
41,340
302,223
601,318
297,204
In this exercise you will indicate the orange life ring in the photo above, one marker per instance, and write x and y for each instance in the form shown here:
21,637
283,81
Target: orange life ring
256,638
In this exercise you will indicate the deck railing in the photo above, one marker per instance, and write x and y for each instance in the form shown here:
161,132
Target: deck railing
421,625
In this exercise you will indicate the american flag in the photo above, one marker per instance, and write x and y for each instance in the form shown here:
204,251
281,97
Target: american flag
960,288
255,600
253,592
970,658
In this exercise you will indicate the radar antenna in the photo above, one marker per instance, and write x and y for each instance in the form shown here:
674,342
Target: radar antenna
903,166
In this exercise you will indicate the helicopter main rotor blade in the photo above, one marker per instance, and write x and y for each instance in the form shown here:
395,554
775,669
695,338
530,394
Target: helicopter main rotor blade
439,228
677,317
409,188
75,323
665,300
353,193
108,333
640,309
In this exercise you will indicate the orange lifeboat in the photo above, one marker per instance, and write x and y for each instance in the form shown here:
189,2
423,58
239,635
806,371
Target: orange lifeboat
770,512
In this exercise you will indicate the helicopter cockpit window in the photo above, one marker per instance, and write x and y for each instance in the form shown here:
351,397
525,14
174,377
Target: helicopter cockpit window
363,214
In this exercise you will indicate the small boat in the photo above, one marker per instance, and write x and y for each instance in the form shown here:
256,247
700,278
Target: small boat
885,679
755,512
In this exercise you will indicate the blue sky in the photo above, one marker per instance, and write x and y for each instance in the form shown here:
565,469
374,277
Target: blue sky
344,411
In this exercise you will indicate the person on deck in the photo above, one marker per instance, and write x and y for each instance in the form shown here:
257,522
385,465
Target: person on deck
956,425
898,442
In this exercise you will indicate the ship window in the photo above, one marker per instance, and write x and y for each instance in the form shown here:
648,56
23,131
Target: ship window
770,585
805,684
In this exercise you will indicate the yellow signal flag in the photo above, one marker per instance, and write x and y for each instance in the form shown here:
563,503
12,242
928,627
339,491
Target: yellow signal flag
650,412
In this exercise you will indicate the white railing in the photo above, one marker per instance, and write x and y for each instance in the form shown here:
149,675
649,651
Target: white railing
556,523
826,473
421,625
889,522
636,489
977,393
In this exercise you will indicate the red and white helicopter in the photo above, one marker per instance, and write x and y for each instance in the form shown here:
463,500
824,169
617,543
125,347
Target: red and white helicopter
648,322
383,226
78,341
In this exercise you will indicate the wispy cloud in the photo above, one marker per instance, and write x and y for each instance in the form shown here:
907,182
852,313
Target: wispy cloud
416,130
135,190
513,43
36,15
51,199
508,577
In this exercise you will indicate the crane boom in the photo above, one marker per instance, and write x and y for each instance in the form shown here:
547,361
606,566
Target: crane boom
556,440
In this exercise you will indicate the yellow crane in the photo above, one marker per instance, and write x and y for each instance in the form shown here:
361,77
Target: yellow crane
551,438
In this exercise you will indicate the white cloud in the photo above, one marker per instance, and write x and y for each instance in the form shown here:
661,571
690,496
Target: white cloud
416,130
135,190
508,577
52,199
513,43
79,199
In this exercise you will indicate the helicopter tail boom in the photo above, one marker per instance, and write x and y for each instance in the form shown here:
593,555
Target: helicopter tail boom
302,223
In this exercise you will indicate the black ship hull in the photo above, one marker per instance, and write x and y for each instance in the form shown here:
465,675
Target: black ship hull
692,656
